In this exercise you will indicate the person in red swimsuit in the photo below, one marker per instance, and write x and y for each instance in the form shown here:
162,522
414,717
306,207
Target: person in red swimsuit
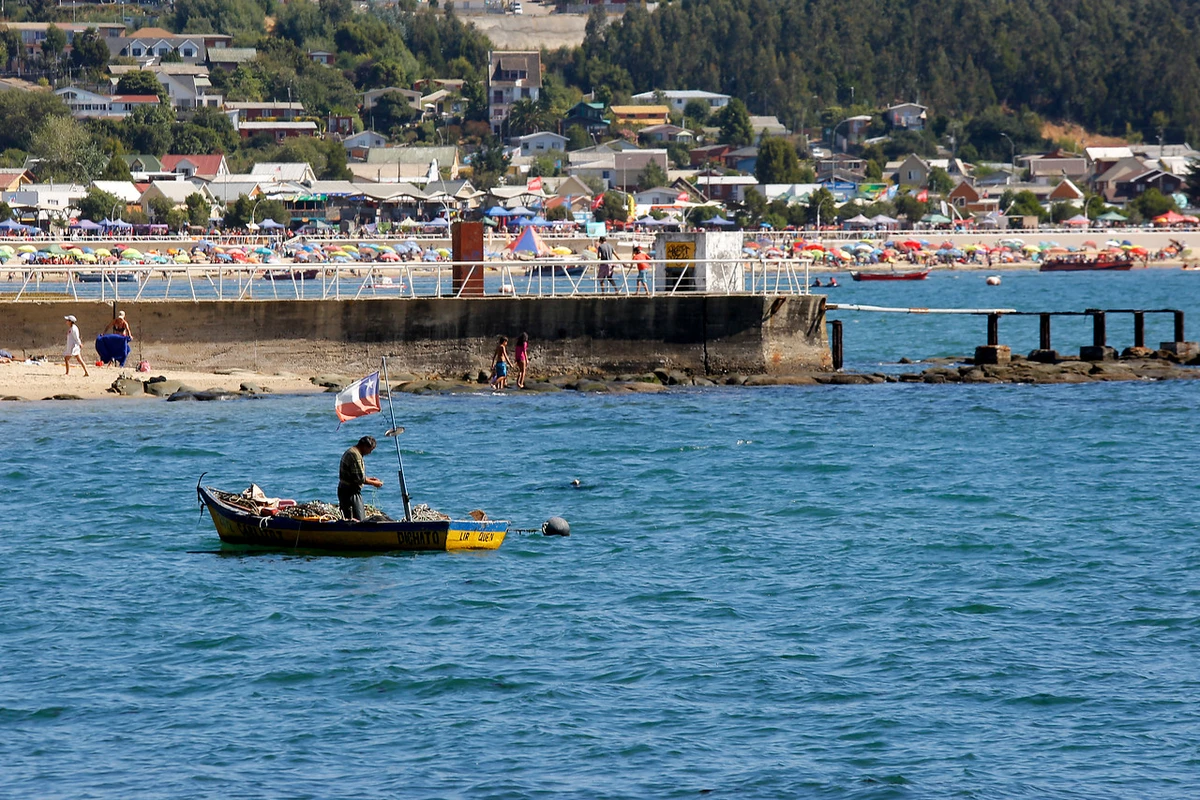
521,355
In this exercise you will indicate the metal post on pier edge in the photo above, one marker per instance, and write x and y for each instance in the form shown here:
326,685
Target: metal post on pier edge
1099,335
1044,337
835,342
1139,329
1179,337
993,336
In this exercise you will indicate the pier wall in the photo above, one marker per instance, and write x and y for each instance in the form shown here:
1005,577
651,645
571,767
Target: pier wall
706,334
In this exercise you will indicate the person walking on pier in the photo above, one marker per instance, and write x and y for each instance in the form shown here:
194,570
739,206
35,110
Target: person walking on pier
604,272
642,262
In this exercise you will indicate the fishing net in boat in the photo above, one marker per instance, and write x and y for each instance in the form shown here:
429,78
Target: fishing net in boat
313,509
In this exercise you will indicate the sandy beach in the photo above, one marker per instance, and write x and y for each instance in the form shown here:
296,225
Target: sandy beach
43,380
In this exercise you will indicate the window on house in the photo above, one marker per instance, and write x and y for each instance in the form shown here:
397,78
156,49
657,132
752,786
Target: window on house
525,93
188,52
137,51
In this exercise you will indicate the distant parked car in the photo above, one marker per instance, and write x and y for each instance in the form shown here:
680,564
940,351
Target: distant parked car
517,9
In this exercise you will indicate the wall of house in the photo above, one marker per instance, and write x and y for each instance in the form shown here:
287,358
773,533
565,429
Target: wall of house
705,334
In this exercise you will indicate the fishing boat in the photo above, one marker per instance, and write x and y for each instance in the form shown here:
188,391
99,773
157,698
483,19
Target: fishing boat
236,525
1085,262
890,276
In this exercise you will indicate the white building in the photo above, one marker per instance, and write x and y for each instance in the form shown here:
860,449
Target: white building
678,99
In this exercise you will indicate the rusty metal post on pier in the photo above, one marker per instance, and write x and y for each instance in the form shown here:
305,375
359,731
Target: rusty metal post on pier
835,342
1139,329
993,333
1179,337
1099,335
1044,333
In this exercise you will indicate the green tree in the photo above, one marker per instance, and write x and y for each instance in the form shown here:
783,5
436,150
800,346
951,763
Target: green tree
89,52
577,138
149,129
697,111
141,82
198,209
176,219
116,170
391,112
53,46
159,207
734,121
613,208
237,213
873,171
1025,204
98,205
940,181
822,208
777,161
1191,186
911,208
65,152
1152,203
652,176
545,166
489,164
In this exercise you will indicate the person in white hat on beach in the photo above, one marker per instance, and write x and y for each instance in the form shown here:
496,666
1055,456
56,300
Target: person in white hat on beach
74,347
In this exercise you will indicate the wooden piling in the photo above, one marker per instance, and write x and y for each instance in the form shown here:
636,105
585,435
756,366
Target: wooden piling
993,332
1179,337
1044,333
1099,335
835,342
1139,329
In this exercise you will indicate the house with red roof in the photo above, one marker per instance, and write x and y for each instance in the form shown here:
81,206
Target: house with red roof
211,166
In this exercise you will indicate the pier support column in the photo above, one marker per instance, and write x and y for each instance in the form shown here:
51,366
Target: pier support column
1045,353
993,352
1180,348
1099,349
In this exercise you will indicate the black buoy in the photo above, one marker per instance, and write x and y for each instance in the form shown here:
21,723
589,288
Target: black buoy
556,526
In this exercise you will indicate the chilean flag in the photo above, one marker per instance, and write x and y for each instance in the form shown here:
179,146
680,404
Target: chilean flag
533,185
358,399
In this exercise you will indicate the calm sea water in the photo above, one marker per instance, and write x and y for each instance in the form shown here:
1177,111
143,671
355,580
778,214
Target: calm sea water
897,591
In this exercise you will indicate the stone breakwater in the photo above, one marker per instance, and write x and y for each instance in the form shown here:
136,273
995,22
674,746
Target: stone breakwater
1133,365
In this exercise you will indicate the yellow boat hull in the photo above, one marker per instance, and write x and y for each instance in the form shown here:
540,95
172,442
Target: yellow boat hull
237,527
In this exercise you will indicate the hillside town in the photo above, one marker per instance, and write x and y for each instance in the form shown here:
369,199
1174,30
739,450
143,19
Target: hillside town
415,154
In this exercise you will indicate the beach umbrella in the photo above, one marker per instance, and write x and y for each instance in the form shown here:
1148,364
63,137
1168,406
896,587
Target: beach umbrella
1089,244
26,248
814,246
561,251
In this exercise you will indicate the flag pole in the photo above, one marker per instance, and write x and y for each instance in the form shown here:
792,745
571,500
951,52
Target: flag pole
396,438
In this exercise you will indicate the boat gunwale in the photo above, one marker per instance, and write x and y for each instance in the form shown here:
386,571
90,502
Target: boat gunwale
236,514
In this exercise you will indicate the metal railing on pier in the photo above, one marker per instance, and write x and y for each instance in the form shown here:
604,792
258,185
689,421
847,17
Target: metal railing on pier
415,279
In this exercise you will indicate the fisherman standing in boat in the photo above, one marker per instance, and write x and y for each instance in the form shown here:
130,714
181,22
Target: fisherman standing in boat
352,474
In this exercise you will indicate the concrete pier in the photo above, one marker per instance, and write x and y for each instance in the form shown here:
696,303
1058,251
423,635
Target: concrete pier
703,334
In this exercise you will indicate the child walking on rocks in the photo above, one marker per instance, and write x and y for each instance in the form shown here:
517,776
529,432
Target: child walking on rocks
521,354
500,364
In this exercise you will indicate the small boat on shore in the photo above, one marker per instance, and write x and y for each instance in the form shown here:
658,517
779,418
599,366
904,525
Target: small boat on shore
291,275
237,525
890,276
1084,262
100,277
556,270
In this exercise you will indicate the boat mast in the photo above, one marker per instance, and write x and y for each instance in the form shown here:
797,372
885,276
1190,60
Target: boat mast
394,433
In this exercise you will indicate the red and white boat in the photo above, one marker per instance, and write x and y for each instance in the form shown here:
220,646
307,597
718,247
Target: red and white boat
890,276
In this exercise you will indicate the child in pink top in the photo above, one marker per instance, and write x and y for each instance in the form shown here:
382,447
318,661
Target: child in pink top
521,354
